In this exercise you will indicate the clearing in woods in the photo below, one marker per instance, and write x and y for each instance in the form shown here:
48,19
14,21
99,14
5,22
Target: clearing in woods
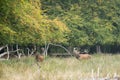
55,68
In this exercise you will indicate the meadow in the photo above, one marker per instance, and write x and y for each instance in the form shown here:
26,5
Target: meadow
58,68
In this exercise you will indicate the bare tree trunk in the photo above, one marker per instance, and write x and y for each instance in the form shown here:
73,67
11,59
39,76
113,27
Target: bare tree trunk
98,49
17,49
33,50
19,55
28,51
8,53
46,49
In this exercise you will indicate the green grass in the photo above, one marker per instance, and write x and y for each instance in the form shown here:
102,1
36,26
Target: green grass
59,68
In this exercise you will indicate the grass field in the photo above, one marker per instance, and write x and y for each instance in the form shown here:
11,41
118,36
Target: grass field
60,68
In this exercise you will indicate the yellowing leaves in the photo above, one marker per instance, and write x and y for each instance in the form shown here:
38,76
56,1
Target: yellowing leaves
30,26
61,25
6,30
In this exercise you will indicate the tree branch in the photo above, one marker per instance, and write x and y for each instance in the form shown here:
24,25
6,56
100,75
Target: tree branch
2,47
61,47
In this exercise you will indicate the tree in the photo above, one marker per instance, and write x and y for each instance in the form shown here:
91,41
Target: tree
92,22
25,19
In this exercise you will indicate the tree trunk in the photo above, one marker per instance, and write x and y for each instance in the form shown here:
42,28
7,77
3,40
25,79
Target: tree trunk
8,53
28,51
98,49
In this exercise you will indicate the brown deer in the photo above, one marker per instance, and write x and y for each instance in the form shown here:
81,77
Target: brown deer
39,57
85,56
79,55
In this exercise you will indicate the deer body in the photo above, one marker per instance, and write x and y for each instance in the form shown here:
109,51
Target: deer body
85,56
78,55
39,58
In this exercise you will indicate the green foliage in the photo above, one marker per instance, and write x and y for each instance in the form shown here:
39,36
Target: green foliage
91,21
73,22
6,35
25,19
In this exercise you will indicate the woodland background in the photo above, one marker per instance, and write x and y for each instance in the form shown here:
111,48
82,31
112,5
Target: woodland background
88,24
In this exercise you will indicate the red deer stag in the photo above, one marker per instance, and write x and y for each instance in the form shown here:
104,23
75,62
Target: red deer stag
78,55
39,57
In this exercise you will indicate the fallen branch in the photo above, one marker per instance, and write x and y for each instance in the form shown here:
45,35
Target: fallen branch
3,54
14,51
2,47
61,47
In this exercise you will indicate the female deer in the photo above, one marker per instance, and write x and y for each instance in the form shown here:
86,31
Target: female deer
39,57
78,55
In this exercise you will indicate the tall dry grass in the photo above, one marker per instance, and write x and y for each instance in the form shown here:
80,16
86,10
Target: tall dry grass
60,68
